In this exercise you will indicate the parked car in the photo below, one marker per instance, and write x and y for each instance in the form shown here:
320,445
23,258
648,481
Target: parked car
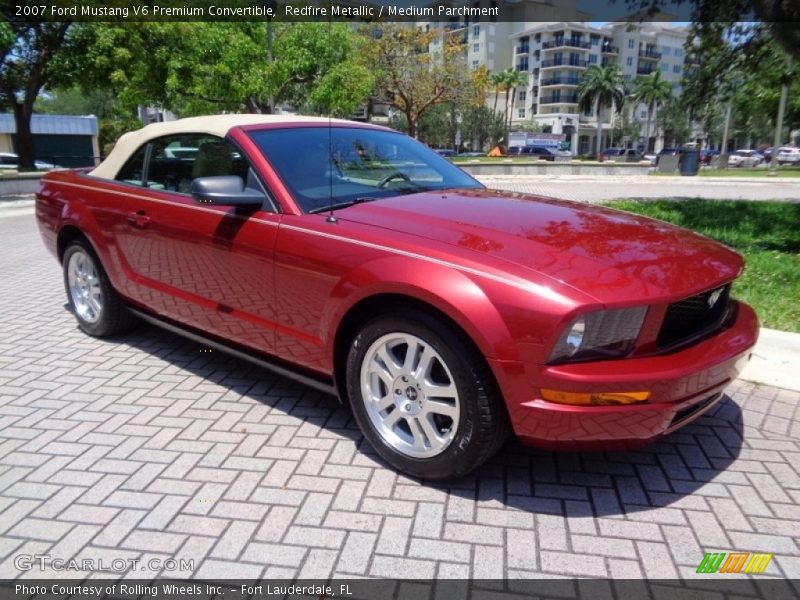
9,161
471,154
707,155
447,152
745,158
620,155
789,155
541,152
651,157
356,260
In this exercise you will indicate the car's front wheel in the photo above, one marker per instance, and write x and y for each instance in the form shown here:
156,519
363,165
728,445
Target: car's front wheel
92,299
423,396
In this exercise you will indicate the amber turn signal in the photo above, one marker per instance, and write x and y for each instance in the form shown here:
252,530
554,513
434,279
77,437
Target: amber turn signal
594,398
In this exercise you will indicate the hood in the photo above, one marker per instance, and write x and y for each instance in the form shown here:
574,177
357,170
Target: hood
611,255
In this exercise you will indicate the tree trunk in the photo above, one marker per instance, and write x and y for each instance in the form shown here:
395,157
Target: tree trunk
598,141
22,118
411,124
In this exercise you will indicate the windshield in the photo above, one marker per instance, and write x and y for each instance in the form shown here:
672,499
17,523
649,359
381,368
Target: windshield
335,167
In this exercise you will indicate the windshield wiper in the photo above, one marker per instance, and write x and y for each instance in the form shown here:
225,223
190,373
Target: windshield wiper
339,205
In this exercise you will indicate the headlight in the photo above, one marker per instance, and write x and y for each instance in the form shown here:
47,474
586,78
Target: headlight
599,335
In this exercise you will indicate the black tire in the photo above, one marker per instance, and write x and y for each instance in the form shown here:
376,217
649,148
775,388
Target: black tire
111,317
483,423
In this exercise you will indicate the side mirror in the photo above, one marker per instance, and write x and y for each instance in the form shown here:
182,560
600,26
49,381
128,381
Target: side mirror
226,190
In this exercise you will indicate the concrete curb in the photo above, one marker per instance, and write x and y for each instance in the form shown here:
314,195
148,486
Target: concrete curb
776,360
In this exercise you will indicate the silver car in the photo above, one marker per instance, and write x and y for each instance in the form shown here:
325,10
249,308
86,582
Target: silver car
745,158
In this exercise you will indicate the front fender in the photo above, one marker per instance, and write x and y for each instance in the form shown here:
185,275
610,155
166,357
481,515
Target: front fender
449,290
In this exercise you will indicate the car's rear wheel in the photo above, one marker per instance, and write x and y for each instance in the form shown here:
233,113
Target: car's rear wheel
424,397
92,299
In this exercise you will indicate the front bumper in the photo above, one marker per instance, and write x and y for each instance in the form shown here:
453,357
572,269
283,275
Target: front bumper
683,385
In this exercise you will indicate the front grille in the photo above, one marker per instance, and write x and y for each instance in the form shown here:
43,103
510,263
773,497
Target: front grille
693,317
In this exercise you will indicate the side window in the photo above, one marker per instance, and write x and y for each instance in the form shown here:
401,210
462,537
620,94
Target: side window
173,162
133,170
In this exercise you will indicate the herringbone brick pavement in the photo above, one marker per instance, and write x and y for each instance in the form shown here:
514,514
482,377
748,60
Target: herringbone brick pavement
148,448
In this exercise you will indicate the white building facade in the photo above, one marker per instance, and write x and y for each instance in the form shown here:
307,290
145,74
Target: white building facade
555,55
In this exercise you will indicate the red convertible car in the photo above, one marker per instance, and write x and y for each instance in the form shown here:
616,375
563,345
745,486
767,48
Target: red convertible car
353,258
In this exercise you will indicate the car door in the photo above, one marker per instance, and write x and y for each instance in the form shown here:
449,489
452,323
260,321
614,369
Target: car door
206,266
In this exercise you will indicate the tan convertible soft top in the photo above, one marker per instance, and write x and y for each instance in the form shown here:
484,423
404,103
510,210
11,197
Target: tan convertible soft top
218,125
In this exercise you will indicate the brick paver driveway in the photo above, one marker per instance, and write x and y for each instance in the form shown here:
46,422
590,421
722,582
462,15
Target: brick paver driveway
146,447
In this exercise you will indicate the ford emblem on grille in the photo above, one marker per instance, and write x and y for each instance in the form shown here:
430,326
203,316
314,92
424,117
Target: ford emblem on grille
712,299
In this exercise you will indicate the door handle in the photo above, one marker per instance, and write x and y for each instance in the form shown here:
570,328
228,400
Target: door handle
138,219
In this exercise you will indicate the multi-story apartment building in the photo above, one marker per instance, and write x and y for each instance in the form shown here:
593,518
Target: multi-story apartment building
489,41
555,55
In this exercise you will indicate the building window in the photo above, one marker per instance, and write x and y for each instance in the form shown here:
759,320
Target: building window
476,30
665,50
643,114
664,68
630,44
522,95
595,39
537,37
676,68
678,52
593,59
521,113
629,61
476,47
475,64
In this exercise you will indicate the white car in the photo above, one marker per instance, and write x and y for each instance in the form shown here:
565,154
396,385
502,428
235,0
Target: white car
745,158
9,160
789,155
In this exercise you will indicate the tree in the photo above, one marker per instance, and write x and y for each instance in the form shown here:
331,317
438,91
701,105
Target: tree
652,91
202,67
776,19
483,126
673,120
32,55
600,86
413,78
513,80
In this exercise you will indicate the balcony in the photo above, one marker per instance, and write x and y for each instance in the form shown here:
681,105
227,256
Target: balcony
522,49
566,44
645,70
563,62
561,81
561,99
609,49
650,54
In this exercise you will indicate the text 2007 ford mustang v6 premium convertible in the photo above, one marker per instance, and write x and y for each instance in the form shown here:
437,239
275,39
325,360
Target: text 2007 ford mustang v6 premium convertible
354,258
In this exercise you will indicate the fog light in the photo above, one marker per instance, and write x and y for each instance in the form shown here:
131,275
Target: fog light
594,398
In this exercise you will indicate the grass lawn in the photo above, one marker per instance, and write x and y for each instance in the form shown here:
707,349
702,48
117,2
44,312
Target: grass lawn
766,233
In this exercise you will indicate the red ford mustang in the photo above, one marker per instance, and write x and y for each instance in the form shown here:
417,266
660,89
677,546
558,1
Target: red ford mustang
357,260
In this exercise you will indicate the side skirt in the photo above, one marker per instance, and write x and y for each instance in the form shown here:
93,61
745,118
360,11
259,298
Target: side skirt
322,384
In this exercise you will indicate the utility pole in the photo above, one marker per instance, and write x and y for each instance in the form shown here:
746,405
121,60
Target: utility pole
773,162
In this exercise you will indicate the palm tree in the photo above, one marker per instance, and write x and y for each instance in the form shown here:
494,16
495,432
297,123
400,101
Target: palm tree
498,80
514,79
600,86
652,91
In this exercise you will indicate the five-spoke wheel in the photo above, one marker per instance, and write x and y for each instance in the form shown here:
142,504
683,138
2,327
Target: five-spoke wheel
424,396
92,298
